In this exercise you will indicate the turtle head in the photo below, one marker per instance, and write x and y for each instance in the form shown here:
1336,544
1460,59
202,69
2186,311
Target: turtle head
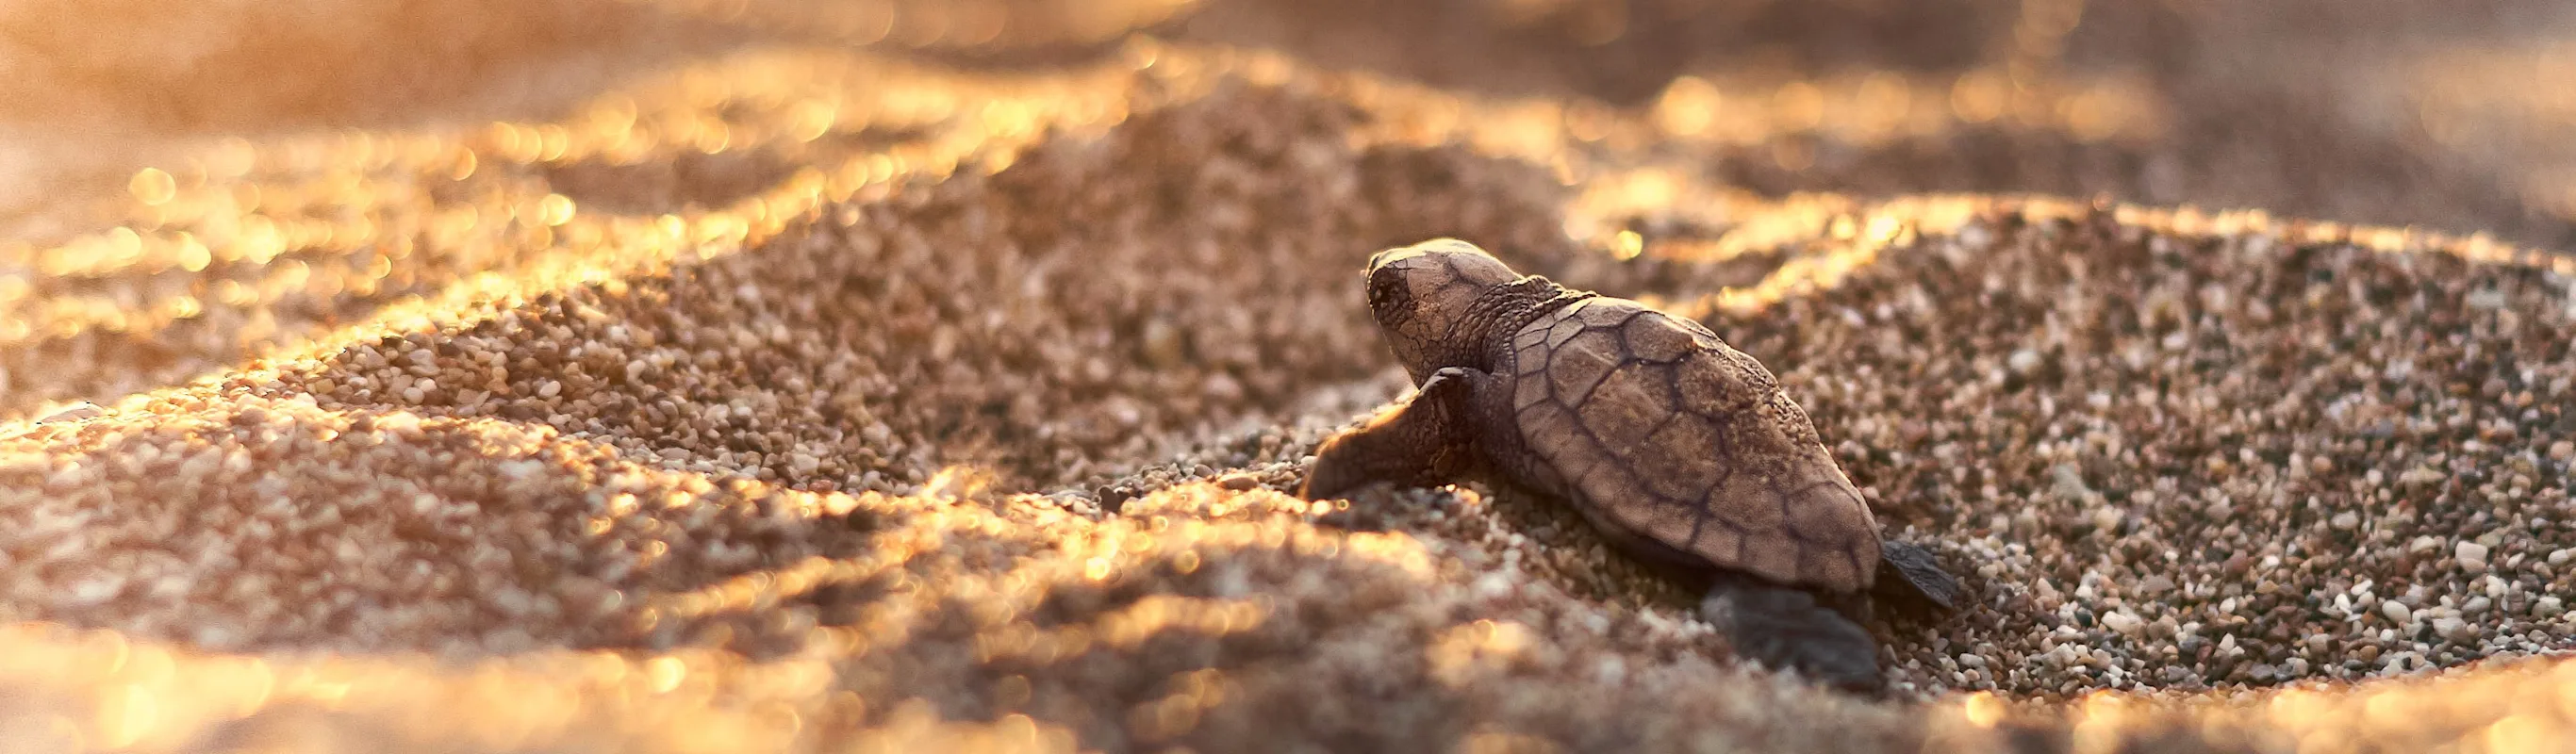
1423,297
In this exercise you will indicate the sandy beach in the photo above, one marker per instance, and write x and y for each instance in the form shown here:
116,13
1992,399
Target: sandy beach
755,375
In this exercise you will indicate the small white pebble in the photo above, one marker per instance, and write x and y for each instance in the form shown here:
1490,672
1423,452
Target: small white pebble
95,590
1612,670
2396,611
2047,593
399,422
2471,555
73,413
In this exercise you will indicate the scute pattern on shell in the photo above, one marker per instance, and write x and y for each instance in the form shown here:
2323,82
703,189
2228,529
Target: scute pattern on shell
1664,429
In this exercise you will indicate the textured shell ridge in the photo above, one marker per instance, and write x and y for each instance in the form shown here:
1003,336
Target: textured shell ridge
1653,423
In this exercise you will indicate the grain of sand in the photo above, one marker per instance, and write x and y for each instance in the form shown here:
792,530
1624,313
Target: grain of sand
926,377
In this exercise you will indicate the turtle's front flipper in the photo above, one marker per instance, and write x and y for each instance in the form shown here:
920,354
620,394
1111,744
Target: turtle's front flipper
1912,580
1787,629
1421,441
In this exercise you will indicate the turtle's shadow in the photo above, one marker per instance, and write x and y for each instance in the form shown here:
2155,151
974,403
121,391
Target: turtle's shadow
1559,547
1587,565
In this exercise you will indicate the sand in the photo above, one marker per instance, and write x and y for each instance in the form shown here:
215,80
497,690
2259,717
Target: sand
912,376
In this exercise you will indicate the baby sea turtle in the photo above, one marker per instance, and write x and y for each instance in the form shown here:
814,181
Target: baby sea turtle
1678,448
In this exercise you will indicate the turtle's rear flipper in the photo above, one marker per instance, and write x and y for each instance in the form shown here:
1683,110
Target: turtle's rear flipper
1910,579
1420,441
1786,629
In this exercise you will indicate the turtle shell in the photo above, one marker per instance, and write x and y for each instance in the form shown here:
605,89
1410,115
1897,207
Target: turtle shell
1655,428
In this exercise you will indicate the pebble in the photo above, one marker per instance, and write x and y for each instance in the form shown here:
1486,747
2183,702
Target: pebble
73,413
1162,343
2023,361
2155,584
2471,555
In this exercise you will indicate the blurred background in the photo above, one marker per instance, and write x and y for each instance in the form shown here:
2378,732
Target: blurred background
183,185
2451,115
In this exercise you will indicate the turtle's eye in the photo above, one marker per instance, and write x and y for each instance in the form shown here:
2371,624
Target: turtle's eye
1389,299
